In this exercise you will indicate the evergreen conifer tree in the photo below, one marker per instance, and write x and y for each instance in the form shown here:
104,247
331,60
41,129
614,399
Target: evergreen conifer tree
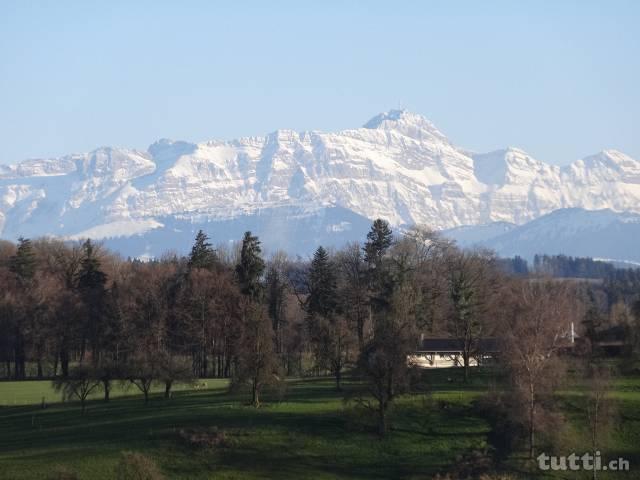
379,239
23,263
381,285
91,283
90,276
202,254
322,298
251,266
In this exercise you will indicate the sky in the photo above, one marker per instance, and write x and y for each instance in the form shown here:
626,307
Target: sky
560,79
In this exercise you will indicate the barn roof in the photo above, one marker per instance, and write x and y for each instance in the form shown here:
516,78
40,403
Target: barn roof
456,345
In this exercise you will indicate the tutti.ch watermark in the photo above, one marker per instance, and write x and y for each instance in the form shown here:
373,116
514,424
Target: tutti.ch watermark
587,461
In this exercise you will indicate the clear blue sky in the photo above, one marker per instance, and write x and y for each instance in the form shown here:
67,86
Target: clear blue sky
560,79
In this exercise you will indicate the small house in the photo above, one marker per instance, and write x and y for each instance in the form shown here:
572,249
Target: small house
448,352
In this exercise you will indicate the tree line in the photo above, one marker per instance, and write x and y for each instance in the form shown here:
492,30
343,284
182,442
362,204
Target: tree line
87,318
564,266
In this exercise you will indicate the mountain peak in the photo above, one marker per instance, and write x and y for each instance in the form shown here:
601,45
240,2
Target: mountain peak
169,149
610,159
615,156
407,123
399,167
393,117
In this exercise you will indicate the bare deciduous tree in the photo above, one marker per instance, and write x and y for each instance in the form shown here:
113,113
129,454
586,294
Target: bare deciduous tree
354,289
80,383
472,284
383,361
257,363
143,368
535,323
599,407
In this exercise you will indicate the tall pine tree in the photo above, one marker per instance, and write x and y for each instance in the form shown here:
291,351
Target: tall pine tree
328,329
322,298
251,266
91,283
381,285
23,263
202,254
379,239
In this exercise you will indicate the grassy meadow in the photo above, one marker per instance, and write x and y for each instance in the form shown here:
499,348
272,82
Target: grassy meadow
310,433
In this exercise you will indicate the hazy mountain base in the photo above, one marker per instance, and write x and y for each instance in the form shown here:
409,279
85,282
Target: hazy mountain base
601,234
295,231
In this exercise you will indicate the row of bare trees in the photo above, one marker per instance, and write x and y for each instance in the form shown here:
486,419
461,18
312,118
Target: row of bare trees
64,304
78,312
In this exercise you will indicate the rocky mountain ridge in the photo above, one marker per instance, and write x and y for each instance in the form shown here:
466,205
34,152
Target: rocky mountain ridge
398,166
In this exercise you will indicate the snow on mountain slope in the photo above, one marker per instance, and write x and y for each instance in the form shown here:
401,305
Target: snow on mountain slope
399,166
520,187
609,179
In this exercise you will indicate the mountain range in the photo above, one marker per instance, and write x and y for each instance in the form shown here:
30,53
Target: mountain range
300,189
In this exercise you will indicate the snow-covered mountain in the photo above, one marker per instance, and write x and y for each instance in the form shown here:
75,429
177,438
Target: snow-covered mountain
323,187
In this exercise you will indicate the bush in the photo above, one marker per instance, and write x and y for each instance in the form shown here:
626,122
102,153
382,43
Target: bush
205,438
473,464
60,472
506,433
481,477
357,418
136,466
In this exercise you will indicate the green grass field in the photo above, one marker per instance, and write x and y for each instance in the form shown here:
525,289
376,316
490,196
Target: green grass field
311,434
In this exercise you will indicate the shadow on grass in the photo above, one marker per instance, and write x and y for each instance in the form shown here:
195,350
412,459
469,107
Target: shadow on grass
305,436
